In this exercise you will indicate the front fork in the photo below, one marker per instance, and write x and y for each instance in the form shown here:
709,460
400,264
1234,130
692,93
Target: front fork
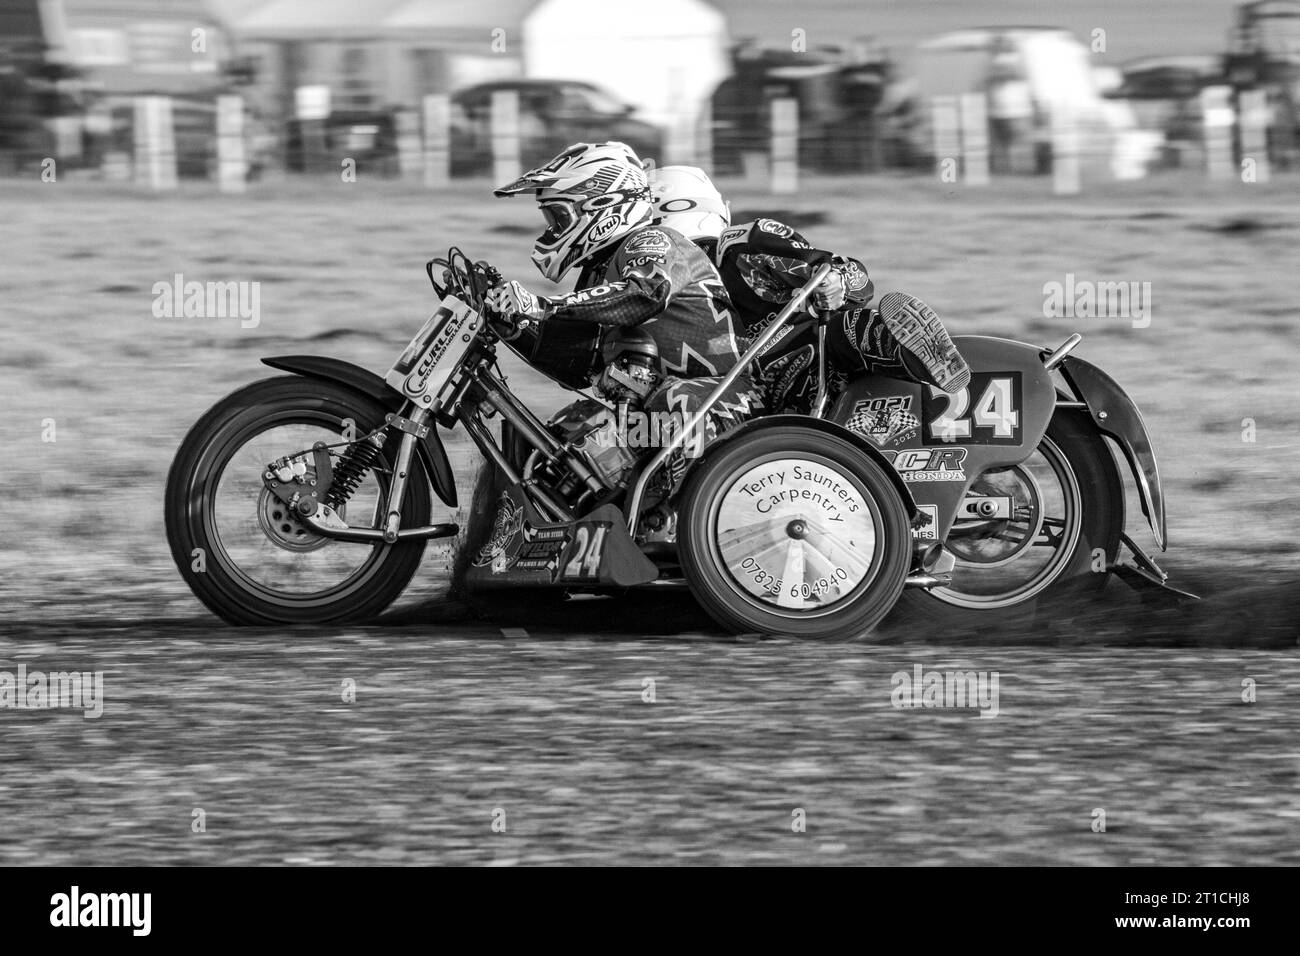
405,452
414,423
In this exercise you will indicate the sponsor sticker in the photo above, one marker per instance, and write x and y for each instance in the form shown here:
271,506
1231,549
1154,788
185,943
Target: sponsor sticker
778,229
855,278
541,549
885,420
499,550
729,236
926,523
452,319
649,242
929,464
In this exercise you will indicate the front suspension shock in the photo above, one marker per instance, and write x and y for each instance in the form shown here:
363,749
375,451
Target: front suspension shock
351,469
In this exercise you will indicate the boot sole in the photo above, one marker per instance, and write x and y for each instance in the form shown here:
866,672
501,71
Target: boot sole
918,329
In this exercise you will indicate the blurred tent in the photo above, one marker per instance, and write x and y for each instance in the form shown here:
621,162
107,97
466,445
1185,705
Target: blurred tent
666,59
385,52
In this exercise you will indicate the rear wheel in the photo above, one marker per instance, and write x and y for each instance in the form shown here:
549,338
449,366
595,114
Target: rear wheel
1068,513
243,552
791,531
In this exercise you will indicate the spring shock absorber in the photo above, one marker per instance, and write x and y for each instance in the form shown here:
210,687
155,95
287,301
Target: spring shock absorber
351,469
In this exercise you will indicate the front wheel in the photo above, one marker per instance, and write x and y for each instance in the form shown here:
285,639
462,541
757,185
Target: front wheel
791,531
242,552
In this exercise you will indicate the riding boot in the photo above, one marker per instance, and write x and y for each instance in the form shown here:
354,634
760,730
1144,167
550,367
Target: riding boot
904,337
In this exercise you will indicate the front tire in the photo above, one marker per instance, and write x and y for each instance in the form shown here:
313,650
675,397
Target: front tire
790,531
242,554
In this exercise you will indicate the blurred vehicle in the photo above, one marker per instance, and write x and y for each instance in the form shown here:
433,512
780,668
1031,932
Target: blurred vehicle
368,137
1264,54
844,122
1164,94
1168,78
553,114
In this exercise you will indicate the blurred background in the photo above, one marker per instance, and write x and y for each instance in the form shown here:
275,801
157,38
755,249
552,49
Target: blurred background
436,88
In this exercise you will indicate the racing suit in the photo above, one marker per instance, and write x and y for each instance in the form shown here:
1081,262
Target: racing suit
659,280
762,264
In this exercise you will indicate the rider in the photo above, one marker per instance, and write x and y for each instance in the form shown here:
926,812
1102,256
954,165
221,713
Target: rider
598,208
764,262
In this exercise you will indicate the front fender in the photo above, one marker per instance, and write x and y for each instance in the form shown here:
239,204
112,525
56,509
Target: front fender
1114,414
829,428
371,385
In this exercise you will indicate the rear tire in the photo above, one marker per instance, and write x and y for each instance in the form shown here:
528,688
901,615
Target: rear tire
790,531
1100,523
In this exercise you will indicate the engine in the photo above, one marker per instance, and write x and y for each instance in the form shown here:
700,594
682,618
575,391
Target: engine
593,428
599,430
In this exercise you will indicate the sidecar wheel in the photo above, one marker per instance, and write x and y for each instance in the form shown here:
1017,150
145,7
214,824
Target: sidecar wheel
789,531
1074,486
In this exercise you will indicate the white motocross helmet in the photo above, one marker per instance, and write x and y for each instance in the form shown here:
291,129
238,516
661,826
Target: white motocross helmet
591,195
686,200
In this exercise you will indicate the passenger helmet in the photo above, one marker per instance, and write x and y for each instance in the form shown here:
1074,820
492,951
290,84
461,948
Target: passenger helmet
686,200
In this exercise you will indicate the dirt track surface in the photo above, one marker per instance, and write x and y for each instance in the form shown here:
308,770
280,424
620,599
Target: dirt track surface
447,730
546,718
1120,706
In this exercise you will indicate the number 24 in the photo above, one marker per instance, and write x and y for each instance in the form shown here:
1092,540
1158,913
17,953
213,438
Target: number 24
587,553
993,410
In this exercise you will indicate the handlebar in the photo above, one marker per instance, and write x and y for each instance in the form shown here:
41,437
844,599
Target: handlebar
463,278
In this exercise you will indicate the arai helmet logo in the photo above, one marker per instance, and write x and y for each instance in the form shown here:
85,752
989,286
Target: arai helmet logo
604,227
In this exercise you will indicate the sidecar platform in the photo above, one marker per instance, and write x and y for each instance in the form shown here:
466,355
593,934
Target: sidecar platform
526,551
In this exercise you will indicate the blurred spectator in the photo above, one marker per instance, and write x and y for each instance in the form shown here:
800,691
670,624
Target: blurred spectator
863,92
1284,101
1011,114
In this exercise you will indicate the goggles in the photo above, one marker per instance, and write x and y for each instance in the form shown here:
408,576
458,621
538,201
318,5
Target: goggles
560,217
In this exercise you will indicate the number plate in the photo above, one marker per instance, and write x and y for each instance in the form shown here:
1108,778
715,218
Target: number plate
436,348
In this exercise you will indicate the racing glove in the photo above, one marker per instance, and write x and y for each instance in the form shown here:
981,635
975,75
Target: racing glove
830,295
514,303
